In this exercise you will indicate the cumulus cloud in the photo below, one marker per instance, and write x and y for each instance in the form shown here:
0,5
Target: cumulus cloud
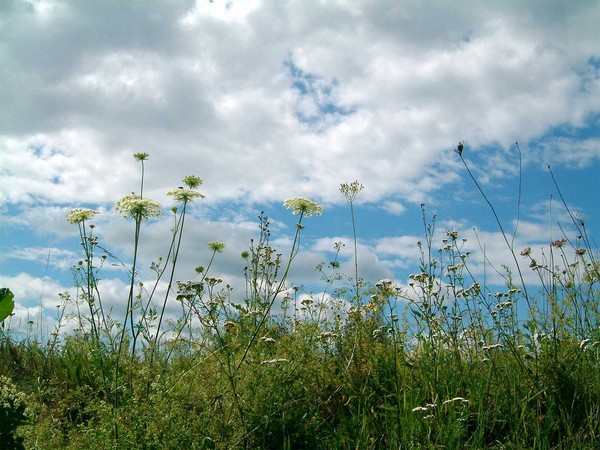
270,100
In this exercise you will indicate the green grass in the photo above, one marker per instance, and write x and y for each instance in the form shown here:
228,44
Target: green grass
443,363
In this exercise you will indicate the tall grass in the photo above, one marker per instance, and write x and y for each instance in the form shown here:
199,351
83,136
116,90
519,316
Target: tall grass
440,363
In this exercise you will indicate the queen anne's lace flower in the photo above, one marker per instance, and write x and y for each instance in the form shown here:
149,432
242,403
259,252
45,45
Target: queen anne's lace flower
304,206
136,207
192,181
184,195
79,215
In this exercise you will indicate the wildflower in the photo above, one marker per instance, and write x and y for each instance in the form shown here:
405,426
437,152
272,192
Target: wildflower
584,343
460,400
229,325
303,206
141,156
420,409
79,215
526,251
184,195
558,243
268,340
371,305
192,181
580,251
350,190
383,282
216,246
453,234
137,208
307,302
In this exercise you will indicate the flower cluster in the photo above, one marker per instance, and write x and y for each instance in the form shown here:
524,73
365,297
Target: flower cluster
136,207
350,190
216,246
192,181
184,195
301,205
79,215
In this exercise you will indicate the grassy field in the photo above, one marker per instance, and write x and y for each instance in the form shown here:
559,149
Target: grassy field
443,363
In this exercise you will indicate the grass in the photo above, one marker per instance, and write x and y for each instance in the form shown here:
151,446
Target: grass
443,363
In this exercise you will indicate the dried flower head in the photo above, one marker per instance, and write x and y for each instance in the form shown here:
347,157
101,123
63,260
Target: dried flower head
136,207
303,206
79,215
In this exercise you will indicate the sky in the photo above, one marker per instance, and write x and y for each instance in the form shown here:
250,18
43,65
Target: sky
268,100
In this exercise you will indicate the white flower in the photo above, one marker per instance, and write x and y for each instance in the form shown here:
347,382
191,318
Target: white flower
460,400
420,409
137,208
304,206
184,195
79,215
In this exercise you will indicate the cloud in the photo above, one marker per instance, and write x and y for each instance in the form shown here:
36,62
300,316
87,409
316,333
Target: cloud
271,100
205,86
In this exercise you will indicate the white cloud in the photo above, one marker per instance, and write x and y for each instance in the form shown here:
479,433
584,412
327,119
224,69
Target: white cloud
269,100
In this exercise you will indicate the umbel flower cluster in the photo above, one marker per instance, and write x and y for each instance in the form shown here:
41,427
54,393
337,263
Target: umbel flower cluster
304,206
137,208
79,215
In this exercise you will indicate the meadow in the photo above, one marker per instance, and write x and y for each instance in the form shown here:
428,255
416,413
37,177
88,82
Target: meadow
444,363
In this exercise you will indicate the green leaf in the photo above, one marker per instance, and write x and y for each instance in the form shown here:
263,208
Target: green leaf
6,303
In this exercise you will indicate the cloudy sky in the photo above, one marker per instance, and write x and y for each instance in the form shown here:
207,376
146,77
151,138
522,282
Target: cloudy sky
266,100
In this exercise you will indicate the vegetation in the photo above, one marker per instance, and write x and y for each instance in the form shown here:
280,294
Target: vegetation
443,363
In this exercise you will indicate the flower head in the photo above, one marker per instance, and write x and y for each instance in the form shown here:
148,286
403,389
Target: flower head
137,208
350,190
558,243
526,251
216,246
192,181
304,206
79,215
141,156
184,195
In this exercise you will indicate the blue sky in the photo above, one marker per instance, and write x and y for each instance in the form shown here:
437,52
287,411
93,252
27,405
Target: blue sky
271,100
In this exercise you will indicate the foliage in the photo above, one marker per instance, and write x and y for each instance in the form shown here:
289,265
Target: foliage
440,363
7,303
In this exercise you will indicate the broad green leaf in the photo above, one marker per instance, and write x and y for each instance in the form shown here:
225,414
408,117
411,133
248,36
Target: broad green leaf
6,303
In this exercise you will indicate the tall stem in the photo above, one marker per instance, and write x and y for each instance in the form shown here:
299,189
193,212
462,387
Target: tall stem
510,247
172,275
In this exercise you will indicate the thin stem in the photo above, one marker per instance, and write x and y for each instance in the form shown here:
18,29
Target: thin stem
172,275
519,195
278,290
512,252
355,254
